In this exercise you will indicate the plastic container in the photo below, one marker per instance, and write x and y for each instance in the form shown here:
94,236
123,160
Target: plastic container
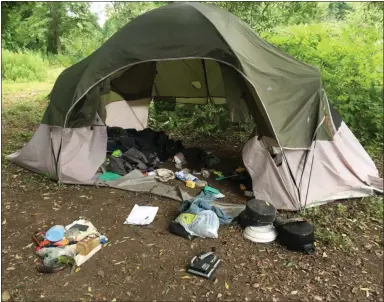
257,213
190,184
296,235
261,234
55,233
205,173
201,183
85,246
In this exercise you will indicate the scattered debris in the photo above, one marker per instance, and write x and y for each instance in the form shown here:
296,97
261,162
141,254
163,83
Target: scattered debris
141,215
204,265
186,277
101,273
61,246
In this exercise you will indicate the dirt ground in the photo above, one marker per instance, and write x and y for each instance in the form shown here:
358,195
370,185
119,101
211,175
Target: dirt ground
148,263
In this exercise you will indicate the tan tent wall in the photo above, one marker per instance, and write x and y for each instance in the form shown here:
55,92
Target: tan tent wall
133,114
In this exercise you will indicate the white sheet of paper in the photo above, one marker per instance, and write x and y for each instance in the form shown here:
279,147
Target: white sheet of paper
141,215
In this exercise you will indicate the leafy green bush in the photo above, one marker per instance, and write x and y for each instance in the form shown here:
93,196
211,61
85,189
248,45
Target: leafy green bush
59,60
29,66
23,66
350,58
196,120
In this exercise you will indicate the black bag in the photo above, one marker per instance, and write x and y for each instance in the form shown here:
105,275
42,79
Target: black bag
257,213
118,166
177,229
296,234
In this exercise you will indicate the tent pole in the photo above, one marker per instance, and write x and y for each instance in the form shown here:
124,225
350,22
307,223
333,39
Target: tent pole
206,79
310,174
292,177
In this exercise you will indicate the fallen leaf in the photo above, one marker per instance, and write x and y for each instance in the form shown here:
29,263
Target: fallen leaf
77,270
226,285
186,277
325,255
65,284
89,288
317,298
128,294
256,285
294,292
11,268
290,264
216,280
4,222
219,296
113,300
120,262
5,296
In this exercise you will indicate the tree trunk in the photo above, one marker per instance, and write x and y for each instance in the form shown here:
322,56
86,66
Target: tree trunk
58,42
54,43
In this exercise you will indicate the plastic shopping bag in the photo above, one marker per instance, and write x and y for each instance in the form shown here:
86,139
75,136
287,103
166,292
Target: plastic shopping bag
205,224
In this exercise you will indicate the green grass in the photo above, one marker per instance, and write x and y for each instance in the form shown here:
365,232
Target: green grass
337,223
30,66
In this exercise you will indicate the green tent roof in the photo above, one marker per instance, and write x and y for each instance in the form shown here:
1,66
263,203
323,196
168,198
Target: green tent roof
284,95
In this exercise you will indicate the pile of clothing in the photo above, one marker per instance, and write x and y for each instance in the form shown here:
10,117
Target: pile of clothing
129,149
195,158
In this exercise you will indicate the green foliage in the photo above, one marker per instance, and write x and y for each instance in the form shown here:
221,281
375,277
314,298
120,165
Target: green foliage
120,13
26,66
42,26
351,63
29,66
264,16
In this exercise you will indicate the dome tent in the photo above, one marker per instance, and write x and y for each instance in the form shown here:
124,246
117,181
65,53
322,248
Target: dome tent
198,53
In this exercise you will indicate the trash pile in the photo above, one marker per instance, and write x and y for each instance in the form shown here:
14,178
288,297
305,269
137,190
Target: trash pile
60,247
198,217
129,149
133,163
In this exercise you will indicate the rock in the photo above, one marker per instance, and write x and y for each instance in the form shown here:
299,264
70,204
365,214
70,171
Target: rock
101,273
5,296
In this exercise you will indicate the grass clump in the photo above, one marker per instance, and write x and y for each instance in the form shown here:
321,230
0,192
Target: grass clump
23,66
